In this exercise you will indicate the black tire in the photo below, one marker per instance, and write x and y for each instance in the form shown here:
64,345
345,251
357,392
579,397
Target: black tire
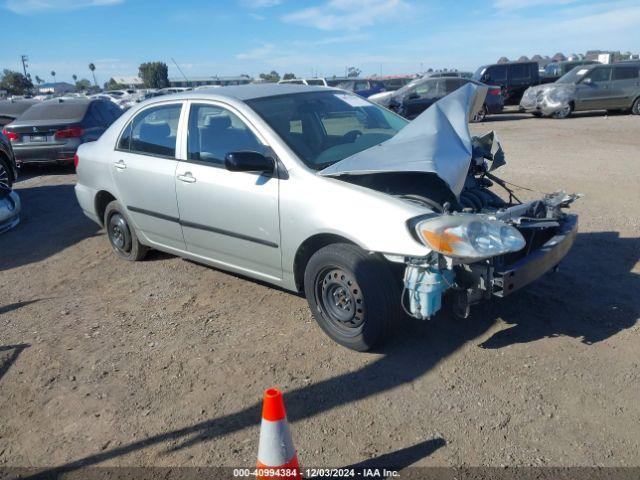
480,115
635,109
352,295
564,112
121,235
6,174
537,114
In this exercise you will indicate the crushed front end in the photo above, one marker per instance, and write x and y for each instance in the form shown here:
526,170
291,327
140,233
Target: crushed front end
484,246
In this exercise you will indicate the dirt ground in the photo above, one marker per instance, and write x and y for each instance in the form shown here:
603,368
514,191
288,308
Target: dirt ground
163,362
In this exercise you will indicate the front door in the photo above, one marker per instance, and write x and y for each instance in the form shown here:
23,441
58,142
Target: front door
229,218
143,168
595,94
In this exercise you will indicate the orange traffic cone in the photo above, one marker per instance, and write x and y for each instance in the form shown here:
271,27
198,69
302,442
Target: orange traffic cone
276,455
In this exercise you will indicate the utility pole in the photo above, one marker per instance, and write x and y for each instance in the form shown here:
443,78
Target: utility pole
24,59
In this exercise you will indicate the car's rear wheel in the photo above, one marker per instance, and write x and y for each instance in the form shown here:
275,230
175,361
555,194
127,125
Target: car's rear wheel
122,236
6,177
352,295
635,109
480,115
564,112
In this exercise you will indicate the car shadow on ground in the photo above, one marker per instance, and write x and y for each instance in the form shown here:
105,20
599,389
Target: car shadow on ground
51,220
30,171
593,298
8,355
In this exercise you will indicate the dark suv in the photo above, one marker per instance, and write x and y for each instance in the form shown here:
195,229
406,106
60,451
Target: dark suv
513,77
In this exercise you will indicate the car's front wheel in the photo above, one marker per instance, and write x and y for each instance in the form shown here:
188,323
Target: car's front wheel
564,112
635,109
352,295
122,236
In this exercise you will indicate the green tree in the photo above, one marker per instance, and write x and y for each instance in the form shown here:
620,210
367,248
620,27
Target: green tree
353,72
75,78
92,67
289,76
272,77
15,83
83,84
113,85
53,74
154,74
39,80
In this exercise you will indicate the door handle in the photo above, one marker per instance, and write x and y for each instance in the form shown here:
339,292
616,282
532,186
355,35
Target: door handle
120,165
187,177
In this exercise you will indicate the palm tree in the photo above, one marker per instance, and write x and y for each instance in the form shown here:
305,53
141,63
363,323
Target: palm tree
75,78
53,74
92,67
39,80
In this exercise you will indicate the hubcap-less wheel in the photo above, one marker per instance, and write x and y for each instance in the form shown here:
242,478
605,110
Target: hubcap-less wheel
119,234
4,176
564,112
480,115
341,301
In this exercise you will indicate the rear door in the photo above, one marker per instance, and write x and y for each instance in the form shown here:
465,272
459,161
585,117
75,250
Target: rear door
144,167
625,85
230,218
596,94
520,77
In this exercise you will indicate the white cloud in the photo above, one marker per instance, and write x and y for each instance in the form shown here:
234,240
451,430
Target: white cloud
260,3
259,53
348,14
520,4
41,6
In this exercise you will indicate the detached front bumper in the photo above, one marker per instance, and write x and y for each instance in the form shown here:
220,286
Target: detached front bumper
508,278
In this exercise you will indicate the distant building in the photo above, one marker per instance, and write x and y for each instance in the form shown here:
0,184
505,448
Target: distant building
523,58
131,82
212,80
503,60
558,57
56,87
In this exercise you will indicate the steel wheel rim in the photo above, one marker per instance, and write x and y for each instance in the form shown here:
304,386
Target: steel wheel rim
4,176
563,112
340,300
119,234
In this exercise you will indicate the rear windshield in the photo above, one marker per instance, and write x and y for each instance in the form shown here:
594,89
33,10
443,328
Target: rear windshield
56,110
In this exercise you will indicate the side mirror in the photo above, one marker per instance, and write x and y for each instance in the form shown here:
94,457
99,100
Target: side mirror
587,81
246,161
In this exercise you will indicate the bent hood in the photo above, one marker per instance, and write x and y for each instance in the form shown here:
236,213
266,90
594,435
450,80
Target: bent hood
437,141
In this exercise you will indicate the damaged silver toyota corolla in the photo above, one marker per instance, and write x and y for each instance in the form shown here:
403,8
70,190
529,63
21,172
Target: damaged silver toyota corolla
318,190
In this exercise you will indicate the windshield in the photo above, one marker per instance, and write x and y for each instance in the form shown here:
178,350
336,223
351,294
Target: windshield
574,75
323,128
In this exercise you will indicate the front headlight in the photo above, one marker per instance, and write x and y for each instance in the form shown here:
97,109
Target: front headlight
469,236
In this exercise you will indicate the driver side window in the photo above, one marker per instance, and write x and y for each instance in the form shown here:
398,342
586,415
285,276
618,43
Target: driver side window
601,74
214,132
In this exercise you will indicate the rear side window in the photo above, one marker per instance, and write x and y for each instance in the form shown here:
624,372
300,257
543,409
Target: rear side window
625,73
497,73
520,72
452,84
153,131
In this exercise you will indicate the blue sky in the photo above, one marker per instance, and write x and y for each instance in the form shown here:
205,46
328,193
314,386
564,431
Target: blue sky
305,37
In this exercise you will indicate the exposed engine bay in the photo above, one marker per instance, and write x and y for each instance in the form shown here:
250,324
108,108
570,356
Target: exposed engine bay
547,232
482,245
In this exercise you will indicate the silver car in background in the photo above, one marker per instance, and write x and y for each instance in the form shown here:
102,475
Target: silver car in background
319,191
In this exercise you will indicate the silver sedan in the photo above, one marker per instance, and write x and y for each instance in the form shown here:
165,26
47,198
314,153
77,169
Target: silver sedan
317,190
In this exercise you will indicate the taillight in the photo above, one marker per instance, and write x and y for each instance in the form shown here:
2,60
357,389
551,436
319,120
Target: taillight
495,91
13,136
72,132
76,159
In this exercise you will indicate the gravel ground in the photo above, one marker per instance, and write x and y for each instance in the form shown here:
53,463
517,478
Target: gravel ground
163,362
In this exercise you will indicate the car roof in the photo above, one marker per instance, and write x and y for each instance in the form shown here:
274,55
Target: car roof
250,92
